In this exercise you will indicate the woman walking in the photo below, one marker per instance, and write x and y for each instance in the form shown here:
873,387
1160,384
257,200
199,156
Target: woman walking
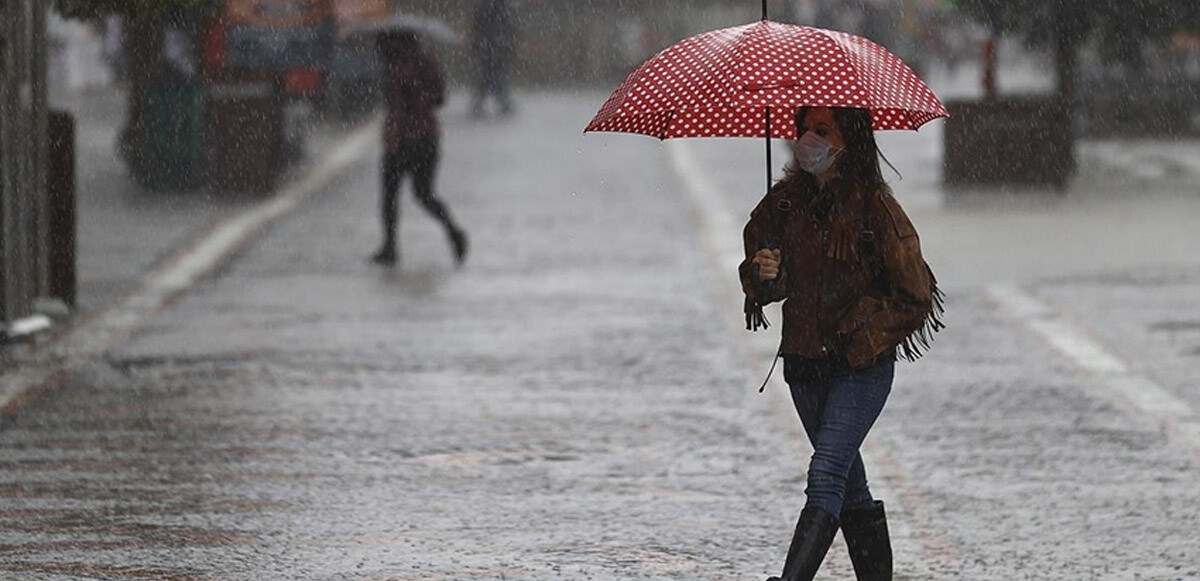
413,89
832,243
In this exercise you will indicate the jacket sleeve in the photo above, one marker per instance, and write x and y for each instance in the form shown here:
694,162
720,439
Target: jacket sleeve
877,324
754,237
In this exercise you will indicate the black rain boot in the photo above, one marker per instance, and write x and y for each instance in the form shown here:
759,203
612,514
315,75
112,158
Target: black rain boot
458,239
814,533
386,255
866,534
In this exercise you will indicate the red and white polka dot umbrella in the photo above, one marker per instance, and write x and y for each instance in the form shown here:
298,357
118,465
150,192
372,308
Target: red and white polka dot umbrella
720,84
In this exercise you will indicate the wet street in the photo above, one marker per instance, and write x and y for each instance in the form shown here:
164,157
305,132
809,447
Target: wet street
579,400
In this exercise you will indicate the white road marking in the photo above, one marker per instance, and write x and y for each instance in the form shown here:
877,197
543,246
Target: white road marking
92,337
720,231
1177,417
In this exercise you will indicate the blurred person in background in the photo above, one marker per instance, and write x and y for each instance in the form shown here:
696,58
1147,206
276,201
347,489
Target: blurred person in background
831,241
493,44
413,90
114,46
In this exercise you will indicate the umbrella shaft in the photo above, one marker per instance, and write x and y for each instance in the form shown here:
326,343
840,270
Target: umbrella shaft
764,9
768,135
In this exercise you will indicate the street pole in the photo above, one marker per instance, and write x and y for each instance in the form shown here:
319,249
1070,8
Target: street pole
989,66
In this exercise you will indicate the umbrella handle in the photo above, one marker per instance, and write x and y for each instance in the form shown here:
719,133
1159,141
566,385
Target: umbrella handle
753,307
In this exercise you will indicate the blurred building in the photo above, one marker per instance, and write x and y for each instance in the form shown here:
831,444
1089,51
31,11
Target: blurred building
597,42
585,42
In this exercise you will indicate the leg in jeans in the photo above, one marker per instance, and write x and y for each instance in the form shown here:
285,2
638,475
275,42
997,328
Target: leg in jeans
837,412
810,403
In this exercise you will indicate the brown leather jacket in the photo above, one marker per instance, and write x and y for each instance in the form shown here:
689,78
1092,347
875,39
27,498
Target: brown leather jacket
852,275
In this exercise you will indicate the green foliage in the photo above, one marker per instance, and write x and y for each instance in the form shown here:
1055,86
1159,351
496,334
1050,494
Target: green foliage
153,9
1121,27
1128,18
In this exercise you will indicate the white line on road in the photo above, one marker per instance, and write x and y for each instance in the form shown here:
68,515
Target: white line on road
1144,395
94,336
722,236
720,231
1065,338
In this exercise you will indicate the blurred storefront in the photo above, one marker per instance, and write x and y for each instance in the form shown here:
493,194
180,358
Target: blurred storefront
594,42
590,42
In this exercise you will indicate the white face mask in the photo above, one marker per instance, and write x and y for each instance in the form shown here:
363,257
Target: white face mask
815,154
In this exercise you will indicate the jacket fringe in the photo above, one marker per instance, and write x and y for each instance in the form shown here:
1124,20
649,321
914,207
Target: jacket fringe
919,341
755,319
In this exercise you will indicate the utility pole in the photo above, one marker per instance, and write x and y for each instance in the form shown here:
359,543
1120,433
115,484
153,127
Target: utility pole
23,159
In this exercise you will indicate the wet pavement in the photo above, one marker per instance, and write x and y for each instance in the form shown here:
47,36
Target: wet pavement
579,401
125,229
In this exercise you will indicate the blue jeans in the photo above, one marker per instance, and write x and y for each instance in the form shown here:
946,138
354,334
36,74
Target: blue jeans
837,409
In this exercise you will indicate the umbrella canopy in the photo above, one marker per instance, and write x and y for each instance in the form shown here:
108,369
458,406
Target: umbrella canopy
425,26
735,81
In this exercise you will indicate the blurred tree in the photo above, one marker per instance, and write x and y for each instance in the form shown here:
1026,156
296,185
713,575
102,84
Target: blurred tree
1120,26
176,9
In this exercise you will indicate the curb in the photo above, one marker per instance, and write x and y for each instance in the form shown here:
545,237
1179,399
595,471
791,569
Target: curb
51,362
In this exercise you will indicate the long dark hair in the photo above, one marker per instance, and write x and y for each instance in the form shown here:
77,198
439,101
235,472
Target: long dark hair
859,159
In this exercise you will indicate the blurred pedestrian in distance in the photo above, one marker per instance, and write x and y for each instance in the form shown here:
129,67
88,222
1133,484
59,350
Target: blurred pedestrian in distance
114,46
831,241
413,90
493,44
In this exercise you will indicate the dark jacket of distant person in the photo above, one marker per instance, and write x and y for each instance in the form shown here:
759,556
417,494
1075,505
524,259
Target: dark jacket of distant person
413,90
